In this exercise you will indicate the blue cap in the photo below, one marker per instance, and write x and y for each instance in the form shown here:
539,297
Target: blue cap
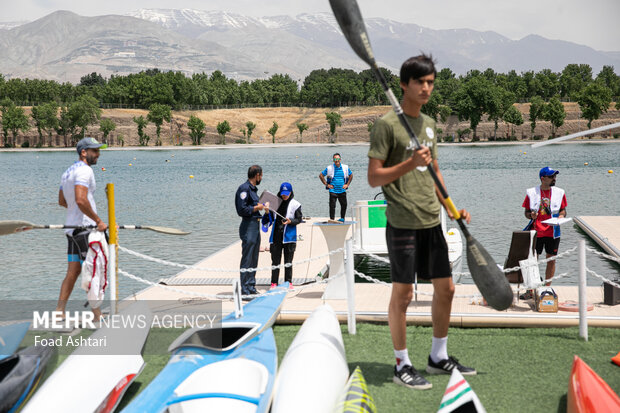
286,188
546,171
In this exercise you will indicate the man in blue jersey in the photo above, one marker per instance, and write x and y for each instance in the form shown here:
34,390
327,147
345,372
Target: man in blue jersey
76,193
337,178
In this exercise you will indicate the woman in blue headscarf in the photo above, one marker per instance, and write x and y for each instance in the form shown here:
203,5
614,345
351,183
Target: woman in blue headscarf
283,236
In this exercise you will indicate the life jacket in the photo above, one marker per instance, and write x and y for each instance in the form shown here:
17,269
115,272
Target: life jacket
557,194
290,231
331,171
95,269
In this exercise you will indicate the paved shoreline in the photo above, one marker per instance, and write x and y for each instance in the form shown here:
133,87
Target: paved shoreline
277,145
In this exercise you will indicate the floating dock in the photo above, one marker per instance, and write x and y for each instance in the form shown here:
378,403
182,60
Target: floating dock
371,300
605,231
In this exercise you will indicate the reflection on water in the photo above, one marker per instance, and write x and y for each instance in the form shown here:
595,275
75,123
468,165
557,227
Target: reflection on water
156,189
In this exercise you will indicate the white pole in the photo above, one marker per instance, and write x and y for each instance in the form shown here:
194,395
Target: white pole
578,134
583,304
350,281
112,278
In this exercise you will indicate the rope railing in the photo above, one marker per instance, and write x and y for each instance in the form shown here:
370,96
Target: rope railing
222,296
331,278
589,271
224,270
233,270
461,274
601,254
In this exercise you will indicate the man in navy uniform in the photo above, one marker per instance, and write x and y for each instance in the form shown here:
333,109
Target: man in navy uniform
248,208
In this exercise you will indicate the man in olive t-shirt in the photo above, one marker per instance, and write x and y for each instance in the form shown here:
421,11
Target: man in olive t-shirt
414,237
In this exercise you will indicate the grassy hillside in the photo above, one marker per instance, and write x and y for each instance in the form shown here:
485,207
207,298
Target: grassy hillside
354,127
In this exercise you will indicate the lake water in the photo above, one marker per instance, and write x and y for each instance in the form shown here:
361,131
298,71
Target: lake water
156,189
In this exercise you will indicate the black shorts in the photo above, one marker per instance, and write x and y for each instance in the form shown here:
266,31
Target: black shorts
550,245
77,245
421,251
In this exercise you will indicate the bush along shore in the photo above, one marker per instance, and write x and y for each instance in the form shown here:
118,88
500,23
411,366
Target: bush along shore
132,127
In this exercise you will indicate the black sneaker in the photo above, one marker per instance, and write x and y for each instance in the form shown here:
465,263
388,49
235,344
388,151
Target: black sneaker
409,377
526,295
446,366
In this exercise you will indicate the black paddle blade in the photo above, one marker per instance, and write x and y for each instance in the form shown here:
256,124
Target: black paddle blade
351,23
489,279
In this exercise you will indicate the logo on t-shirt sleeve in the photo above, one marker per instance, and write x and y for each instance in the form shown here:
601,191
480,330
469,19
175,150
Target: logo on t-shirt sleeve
430,133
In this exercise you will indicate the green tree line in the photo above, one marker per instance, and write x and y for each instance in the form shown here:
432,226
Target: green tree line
321,88
471,97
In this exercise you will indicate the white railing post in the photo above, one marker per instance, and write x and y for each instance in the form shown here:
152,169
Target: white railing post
583,304
350,281
112,278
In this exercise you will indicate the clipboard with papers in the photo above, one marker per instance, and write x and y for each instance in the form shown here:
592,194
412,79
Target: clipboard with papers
556,221
274,201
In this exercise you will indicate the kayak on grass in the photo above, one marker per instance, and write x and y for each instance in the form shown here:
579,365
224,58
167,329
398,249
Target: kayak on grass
355,397
221,369
20,374
88,382
588,392
318,351
10,337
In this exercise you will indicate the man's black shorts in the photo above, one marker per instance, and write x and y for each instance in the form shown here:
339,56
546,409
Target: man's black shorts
77,245
550,245
424,251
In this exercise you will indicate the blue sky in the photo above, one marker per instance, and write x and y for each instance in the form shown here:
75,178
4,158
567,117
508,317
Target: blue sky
592,23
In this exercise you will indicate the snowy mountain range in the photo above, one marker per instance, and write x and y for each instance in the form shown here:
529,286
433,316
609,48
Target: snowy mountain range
65,46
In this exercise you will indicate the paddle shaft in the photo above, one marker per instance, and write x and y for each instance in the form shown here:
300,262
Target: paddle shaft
86,226
11,227
276,212
351,22
490,280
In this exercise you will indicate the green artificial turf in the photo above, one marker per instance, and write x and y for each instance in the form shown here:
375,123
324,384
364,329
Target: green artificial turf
519,370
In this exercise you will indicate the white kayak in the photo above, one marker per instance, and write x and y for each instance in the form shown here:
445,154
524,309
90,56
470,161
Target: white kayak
314,370
87,382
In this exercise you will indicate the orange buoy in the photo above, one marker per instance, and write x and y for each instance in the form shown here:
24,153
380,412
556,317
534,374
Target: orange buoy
573,306
102,168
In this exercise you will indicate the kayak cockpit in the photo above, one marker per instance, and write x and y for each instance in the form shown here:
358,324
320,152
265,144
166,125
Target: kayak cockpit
224,338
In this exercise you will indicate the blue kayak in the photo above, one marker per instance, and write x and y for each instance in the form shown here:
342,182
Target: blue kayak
10,337
229,368
20,374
